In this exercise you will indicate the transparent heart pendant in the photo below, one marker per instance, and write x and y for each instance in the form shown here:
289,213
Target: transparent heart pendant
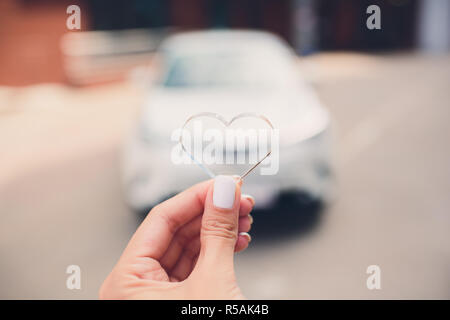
225,123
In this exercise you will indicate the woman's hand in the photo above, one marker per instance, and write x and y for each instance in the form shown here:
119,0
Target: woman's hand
184,248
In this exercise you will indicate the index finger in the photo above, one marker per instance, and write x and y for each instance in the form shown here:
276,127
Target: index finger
153,236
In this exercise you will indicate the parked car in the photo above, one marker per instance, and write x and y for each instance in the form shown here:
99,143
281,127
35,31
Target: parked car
229,72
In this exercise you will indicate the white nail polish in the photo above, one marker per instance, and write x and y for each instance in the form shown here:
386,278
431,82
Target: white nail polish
224,192
245,234
247,196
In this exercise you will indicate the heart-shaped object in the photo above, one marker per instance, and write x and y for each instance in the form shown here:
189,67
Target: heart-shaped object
226,124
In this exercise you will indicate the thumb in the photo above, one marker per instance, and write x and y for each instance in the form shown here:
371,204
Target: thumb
219,231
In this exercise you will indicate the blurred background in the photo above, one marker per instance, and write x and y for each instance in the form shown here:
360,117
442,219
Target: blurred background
68,99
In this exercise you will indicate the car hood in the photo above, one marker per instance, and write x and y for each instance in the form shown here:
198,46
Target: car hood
297,114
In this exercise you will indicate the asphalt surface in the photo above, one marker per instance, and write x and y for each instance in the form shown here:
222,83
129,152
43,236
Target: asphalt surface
61,199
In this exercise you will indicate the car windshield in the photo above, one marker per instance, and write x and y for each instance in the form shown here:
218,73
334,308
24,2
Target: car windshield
230,69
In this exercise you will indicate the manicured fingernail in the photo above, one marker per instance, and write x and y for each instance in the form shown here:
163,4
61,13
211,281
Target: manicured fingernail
249,197
250,218
224,192
245,234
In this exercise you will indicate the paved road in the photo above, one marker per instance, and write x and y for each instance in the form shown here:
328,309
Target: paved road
61,204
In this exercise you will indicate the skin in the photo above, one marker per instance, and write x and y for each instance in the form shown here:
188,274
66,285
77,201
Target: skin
184,249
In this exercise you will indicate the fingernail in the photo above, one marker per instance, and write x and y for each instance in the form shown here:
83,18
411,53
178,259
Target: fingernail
245,234
249,197
224,192
237,178
250,218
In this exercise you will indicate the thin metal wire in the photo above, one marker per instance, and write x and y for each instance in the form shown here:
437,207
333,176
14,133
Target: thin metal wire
226,124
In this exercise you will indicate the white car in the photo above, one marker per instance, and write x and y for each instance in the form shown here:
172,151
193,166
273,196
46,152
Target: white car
228,73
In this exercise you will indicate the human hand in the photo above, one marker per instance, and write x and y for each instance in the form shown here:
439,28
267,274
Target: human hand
184,248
